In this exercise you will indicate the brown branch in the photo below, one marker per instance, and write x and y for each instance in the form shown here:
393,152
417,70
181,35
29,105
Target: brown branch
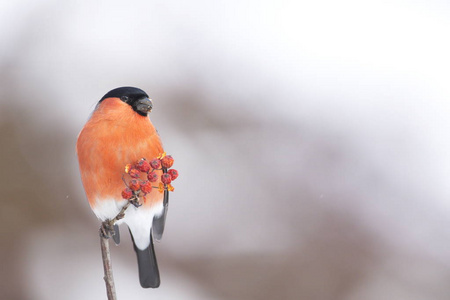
106,231
107,267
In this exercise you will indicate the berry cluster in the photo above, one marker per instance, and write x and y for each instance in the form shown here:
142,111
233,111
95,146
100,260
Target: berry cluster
138,187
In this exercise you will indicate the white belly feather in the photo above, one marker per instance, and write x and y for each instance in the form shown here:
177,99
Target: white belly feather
138,219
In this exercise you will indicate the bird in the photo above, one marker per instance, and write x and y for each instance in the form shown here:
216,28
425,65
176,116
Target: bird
120,132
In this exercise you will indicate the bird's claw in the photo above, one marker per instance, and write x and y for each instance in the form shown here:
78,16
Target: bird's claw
107,229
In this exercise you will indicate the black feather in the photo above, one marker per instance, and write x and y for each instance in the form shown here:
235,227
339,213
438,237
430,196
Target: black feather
125,93
130,95
116,236
159,223
148,266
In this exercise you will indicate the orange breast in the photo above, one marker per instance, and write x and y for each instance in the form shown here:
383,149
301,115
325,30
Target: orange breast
114,136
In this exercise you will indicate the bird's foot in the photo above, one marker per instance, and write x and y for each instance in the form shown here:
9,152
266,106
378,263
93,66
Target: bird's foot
107,229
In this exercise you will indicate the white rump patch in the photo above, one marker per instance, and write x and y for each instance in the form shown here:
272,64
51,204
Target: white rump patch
138,219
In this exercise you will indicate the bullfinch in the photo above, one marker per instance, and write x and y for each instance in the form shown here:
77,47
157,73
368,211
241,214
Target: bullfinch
119,132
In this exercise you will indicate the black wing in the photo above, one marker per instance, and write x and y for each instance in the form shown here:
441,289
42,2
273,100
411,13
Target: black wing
160,221
116,236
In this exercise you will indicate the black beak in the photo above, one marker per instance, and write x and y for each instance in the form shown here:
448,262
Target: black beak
144,106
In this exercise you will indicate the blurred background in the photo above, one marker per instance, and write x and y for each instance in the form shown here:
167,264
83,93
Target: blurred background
311,138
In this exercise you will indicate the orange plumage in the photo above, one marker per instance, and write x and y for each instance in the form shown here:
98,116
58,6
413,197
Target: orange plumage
113,137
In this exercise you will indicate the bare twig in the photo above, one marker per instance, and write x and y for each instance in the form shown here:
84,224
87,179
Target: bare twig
107,267
106,231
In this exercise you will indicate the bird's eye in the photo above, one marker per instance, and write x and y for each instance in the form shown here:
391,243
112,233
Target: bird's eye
124,98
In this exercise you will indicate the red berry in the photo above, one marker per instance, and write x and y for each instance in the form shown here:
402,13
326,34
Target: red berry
134,185
146,187
167,161
173,173
152,176
166,178
143,166
127,193
155,163
134,173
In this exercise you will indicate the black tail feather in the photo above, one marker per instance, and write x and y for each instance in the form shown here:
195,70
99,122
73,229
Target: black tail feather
148,267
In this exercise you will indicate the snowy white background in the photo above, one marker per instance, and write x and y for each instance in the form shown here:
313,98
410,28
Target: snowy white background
311,138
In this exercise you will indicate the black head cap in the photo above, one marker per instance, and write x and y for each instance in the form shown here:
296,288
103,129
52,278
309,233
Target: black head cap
136,98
